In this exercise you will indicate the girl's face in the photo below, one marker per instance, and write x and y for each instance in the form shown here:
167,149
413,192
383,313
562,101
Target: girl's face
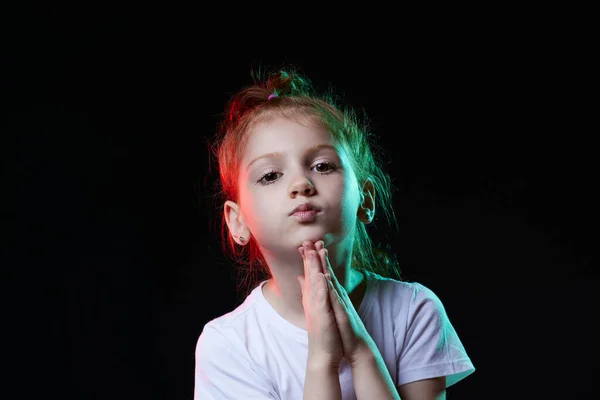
286,164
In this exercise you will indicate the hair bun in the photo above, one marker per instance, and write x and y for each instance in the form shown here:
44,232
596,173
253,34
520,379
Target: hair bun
288,83
285,82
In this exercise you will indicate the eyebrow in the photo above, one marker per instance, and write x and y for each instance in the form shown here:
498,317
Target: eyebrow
277,154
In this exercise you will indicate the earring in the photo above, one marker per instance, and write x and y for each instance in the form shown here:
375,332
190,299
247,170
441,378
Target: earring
242,239
368,215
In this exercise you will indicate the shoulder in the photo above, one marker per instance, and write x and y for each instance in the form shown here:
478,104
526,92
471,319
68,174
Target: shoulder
408,295
212,336
409,303
215,342
422,296
422,304
224,367
226,331
223,342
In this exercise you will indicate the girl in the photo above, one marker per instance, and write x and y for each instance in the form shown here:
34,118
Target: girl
333,321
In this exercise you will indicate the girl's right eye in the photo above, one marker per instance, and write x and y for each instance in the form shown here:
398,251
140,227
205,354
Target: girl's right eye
268,178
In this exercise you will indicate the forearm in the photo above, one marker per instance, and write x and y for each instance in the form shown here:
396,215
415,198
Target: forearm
322,382
371,377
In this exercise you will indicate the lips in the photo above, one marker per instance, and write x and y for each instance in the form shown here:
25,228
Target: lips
304,207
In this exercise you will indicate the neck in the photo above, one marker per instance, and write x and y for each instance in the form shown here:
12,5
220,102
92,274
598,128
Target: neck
283,291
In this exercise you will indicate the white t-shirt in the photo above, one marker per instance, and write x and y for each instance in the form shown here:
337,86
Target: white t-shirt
252,352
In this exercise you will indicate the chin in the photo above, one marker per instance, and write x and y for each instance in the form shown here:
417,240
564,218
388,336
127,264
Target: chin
315,236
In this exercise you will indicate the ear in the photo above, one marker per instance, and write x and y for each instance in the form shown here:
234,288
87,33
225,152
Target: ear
237,227
366,209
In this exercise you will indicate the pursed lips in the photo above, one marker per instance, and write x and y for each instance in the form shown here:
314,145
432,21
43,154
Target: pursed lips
304,207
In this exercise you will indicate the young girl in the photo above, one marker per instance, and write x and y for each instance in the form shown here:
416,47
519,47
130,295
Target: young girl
333,321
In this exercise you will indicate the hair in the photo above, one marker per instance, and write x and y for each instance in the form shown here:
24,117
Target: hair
290,94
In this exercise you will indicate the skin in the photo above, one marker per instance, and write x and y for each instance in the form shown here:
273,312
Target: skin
299,173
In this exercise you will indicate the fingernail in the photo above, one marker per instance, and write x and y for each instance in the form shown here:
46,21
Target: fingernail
301,250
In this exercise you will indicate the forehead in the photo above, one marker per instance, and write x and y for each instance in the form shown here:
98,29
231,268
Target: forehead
284,135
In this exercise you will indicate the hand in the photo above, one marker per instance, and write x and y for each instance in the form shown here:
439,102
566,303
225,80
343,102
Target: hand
324,344
355,338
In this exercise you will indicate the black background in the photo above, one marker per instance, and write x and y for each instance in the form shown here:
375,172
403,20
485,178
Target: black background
112,263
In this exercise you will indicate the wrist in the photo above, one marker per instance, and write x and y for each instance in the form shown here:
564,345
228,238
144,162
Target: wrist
365,353
321,380
319,363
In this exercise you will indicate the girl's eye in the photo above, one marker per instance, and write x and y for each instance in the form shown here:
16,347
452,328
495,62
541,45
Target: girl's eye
324,167
269,178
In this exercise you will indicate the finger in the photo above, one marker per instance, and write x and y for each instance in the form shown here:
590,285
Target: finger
322,295
337,304
313,271
308,245
301,282
314,261
333,297
319,245
311,247
325,263
307,278
309,291
304,253
328,270
323,253
301,251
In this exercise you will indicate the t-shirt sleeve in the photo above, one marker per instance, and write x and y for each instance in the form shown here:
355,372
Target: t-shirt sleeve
222,372
431,348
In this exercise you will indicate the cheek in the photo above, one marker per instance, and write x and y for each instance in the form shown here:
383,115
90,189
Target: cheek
348,201
249,207
351,196
256,207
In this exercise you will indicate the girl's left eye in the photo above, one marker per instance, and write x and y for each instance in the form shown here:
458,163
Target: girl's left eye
324,167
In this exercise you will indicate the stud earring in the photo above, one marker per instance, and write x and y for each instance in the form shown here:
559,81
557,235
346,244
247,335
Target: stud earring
242,239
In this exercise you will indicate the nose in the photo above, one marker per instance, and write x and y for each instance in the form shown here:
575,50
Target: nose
303,187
